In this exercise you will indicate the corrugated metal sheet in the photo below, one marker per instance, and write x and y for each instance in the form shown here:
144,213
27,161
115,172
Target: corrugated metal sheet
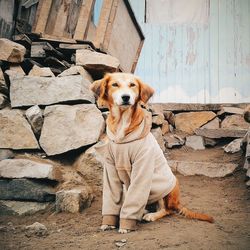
193,62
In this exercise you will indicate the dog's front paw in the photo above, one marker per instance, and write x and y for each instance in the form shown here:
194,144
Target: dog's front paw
106,227
124,231
149,217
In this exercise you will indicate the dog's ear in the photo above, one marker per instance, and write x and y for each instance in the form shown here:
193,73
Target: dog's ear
99,87
145,91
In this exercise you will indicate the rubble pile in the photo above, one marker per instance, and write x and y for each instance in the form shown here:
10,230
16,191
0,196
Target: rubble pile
47,114
49,123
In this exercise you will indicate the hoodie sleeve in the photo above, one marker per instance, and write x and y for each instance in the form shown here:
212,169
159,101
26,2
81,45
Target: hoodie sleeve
140,185
112,195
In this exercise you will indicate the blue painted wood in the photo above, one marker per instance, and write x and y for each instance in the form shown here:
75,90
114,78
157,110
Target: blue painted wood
97,11
197,62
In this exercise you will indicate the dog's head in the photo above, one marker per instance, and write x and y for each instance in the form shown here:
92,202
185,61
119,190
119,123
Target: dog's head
121,89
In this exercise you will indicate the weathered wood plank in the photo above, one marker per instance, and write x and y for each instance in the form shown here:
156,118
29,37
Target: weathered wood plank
42,15
84,20
103,21
72,18
43,49
70,46
221,133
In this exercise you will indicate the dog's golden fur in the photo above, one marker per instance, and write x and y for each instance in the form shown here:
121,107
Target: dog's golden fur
134,114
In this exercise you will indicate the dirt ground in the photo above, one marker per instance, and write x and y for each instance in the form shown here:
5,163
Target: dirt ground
227,199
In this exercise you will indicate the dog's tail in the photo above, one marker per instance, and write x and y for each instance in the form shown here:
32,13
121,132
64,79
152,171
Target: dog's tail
193,215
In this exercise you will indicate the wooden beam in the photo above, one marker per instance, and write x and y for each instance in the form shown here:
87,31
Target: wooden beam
42,15
84,20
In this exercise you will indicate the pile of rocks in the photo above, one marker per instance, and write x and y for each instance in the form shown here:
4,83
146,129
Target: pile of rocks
48,113
49,123
197,127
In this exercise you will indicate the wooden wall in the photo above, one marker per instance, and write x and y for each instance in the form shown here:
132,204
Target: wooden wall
6,18
198,62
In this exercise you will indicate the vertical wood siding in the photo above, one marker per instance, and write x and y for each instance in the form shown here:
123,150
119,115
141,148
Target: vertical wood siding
198,62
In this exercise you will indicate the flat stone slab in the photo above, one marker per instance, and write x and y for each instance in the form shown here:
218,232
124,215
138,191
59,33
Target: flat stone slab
15,131
96,61
221,133
25,189
29,91
22,207
24,168
209,169
70,127
230,110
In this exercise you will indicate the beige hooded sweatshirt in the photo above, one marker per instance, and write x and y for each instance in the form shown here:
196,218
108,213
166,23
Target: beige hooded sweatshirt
137,163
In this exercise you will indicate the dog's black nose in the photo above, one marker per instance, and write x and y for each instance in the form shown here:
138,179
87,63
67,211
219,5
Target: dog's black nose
125,98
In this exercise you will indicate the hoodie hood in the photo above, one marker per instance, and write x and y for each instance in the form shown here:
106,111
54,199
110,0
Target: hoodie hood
142,130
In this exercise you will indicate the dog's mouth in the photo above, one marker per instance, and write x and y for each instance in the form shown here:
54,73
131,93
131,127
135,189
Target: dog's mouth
126,104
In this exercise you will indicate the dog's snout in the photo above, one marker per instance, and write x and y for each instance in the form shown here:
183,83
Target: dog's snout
125,98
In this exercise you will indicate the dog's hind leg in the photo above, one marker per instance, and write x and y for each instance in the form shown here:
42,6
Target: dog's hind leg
161,212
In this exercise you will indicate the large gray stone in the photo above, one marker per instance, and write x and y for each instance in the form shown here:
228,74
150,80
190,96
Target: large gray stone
29,91
24,189
210,169
22,207
96,61
195,142
70,127
35,118
11,51
73,200
24,168
15,131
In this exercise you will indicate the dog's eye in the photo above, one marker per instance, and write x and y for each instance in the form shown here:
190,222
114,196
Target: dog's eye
132,84
114,84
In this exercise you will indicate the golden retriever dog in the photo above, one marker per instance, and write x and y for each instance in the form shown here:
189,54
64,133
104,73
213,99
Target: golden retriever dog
133,158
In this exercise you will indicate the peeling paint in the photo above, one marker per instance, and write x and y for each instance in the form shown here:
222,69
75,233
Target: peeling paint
196,61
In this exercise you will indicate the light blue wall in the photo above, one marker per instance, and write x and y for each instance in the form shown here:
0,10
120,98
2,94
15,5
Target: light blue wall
198,63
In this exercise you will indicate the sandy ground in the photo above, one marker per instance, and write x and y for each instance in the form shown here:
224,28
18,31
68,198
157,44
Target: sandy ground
227,199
